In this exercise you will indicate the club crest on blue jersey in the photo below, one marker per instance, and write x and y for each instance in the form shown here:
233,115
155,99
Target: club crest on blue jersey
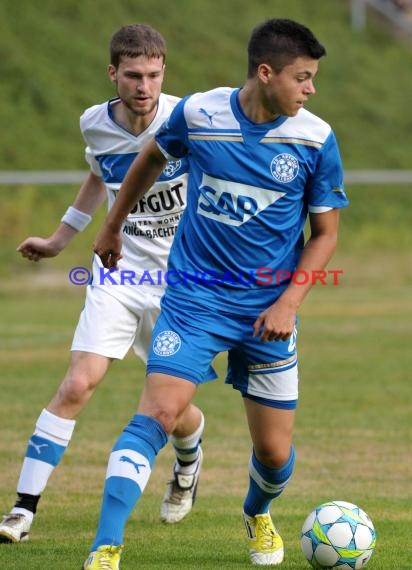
284,167
166,343
172,167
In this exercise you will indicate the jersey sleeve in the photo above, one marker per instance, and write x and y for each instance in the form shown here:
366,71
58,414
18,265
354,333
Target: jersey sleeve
172,135
326,189
92,162
88,153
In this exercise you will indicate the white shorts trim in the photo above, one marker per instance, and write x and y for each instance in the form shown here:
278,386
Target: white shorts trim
110,328
279,385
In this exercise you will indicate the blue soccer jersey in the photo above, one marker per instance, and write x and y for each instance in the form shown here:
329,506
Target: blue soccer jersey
250,189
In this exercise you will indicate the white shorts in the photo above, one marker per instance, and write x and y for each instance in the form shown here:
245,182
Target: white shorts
110,327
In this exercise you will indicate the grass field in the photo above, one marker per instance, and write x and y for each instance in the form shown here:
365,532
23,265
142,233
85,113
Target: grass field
354,423
353,433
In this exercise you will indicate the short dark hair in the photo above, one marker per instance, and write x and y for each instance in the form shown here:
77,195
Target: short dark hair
278,42
134,40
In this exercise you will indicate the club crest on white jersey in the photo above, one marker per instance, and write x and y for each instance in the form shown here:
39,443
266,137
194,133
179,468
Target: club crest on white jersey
233,203
171,167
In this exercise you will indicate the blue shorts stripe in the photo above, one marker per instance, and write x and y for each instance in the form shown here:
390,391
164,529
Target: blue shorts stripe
280,404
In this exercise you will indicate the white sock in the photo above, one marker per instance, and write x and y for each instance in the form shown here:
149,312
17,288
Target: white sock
19,511
187,448
44,452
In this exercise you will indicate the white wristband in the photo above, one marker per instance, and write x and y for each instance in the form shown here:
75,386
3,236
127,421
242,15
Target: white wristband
75,218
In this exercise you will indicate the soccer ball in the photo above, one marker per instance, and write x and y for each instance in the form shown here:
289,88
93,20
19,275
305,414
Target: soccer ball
338,535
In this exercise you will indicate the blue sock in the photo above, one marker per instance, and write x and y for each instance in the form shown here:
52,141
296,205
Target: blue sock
128,471
265,484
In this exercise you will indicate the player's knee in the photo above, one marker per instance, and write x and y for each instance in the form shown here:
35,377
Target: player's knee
76,387
273,457
167,417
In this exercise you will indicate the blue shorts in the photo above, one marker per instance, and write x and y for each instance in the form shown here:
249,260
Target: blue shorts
186,339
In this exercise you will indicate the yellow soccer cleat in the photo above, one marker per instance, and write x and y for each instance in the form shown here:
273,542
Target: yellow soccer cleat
265,543
104,558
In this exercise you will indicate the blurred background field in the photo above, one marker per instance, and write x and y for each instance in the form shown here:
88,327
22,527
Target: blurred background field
54,58
54,62
354,434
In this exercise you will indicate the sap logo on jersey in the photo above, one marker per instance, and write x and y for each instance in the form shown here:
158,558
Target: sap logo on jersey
233,203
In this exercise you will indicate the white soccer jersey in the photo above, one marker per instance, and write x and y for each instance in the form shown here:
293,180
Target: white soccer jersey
250,189
148,230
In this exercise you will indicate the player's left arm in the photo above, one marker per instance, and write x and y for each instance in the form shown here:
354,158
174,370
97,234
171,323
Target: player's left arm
278,321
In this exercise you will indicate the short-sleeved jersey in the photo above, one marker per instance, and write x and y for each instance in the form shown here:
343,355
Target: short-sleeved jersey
250,189
149,229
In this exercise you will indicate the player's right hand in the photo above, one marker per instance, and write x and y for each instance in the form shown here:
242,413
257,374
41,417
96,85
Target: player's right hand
108,246
36,248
